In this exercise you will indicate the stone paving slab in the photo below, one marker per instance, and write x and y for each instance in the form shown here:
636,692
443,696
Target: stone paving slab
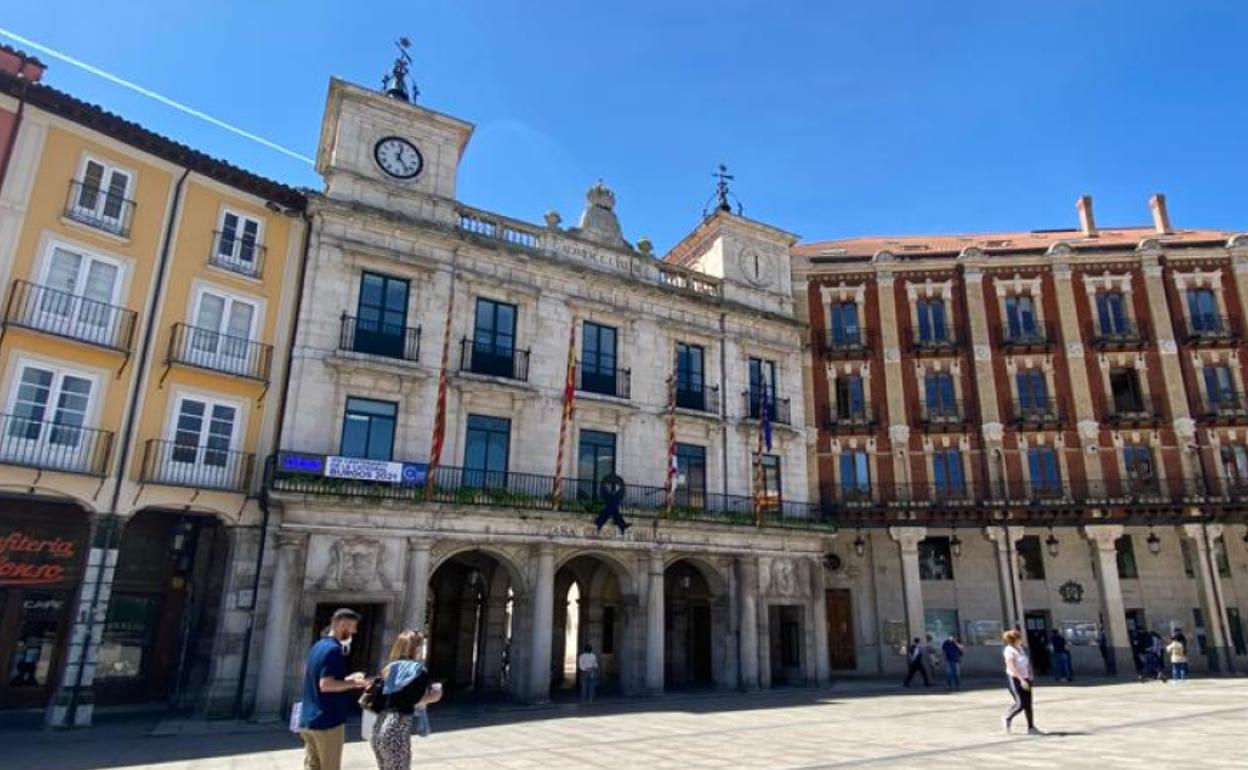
1198,724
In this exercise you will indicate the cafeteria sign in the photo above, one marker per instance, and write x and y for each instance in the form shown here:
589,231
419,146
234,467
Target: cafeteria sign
31,560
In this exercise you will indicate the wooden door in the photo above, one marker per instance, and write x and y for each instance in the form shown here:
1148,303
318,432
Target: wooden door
840,629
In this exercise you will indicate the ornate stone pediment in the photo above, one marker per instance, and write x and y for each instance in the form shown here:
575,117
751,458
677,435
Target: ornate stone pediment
355,564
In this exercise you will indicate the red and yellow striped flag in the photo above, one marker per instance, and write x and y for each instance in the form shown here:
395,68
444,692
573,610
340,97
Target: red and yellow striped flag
669,492
439,417
569,407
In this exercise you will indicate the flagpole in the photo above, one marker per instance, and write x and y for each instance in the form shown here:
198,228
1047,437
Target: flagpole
439,418
569,406
669,489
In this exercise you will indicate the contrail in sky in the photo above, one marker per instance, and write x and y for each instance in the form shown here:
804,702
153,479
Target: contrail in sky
152,94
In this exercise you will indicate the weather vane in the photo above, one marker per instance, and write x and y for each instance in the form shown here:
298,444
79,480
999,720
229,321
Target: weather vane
394,83
723,197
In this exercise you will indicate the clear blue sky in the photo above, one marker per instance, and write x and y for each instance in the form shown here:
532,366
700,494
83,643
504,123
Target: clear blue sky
837,118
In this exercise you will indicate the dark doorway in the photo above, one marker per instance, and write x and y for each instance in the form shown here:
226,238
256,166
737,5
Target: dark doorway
840,630
785,632
1037,626
687,628
471,602
363,653
590,609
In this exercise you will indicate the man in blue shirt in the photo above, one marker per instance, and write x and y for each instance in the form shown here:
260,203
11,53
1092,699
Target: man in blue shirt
952,649
327,694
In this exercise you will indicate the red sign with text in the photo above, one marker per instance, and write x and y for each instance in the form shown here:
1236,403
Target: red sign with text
31,558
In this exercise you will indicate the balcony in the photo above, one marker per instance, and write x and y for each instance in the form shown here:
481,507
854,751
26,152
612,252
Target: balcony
1037,413
844,343
493,360
1038,337
376,339
72,316
1121,335
305,474
199,467
1126,410
237,253
99,208
851,420
208,349
55,446
944,342
1224,406
1208,330
702,399
940,415
780,409
615,383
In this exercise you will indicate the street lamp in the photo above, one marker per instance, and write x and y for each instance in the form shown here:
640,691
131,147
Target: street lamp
1051,543
1154,542
860,545
955,545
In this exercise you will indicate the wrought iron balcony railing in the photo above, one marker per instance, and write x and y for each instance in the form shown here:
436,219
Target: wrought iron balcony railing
54,445
378,339
493,360
32,306
1133,408
940,341
237,253
695,399
1038,336
936,414
847,418
616,383
844,343
99,208
1223,405
208,349
1037,411
200,467
1119,335
780,410
1208,328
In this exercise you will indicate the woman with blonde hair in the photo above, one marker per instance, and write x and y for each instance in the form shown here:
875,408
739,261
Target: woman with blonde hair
1019,679
405,688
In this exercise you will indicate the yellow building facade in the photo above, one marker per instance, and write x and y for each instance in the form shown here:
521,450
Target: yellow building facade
148,297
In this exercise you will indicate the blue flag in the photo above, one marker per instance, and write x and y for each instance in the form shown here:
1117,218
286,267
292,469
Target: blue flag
765,414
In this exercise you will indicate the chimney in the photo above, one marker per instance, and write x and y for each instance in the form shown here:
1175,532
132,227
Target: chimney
1086,222
1161,217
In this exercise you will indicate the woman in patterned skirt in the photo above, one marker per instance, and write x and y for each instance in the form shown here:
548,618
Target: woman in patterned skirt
406,688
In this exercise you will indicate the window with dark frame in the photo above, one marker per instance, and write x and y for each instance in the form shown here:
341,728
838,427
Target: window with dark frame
598,359
1030,558
381,316
850,399
487,449
932,327
1125,391
690,476
494,338
595,459
762,370
368,428
935,559
843,325
690,376
1125,548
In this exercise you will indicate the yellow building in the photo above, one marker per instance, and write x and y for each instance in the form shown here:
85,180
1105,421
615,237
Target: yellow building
148,298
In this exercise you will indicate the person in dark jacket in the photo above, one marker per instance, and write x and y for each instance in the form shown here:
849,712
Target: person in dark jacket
915,655
406,688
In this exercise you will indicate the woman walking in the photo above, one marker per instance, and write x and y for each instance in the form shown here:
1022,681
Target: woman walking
1178,655
1019,679
406,688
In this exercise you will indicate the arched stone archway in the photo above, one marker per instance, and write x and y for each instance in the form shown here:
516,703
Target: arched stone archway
595,605
699,646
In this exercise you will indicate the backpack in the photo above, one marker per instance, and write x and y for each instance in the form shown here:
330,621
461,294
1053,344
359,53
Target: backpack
374,698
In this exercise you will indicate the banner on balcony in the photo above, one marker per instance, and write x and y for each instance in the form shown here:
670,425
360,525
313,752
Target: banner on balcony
360,469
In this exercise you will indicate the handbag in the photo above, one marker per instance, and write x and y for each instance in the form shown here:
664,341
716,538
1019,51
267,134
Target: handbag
374,697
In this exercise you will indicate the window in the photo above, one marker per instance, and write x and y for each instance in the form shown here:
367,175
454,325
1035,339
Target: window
1138,461
101,197
126,647
940,623
855,473
598,362
1046,477
947,472
1020,317
844,328
1220,557
36,628
931,314
1033,391
772,490
486,451
1235,463
368,428
1202,307
83,290
238,243
48,408
762,372
690,475
1030,558
1237,630
1220,387
935,559
1190,559
850,401
221,338
381,316
203,433
1187,548
1111,314
938,391
1126,558
595,460
1124,387
494,338
690,381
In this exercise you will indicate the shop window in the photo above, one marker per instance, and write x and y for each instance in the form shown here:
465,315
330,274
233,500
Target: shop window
1030,558
1125,548
935,559
128,628
38,626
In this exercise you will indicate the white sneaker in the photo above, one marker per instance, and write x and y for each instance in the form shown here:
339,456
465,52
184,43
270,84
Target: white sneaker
1006,724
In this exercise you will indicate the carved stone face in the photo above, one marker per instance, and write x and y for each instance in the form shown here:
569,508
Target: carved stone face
358,562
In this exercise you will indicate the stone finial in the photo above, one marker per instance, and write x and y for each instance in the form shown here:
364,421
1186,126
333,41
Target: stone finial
645,246
552,219
598,221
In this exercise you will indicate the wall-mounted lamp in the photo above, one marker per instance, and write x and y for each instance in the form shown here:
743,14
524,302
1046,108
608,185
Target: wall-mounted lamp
1051,543
1154,542
860,545
955,545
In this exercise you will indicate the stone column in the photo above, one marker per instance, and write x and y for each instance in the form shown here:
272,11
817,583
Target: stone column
1077,368
912,588
283,596
543,624
823,665
1115,614
1210,592
747,621
1011,590
1176,396
415,604
654,625
899,428
991,426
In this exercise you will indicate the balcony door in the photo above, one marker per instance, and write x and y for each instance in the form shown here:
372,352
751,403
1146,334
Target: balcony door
48,409
931,314
381,317
487,449
598,360
238,243
843,325
203,442
762,374
690,376
101,198
81,296
1111,314
494,338
221,338
1020,317
595,460
1202,307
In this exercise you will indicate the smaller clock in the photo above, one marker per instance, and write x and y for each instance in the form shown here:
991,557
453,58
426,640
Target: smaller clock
398,157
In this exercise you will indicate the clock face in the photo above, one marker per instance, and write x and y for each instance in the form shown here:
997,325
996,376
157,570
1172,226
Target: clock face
757,267
398,157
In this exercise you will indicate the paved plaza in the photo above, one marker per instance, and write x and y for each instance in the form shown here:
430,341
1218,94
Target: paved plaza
1199,724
